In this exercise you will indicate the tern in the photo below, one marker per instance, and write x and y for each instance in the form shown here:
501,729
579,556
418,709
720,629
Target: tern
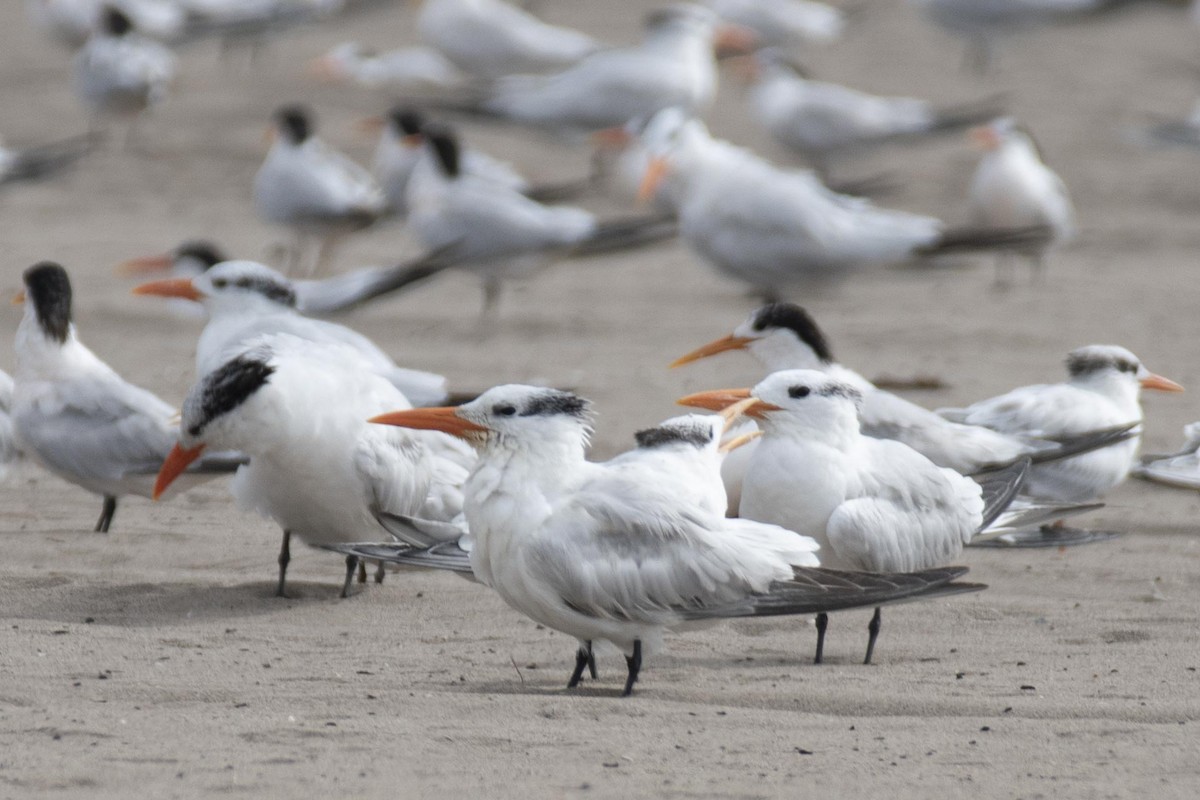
872,504
245,300
498,233
605,552
77,417
784,23
312,189
317,468
776,229
121,73
1102,390
331,295
673,66
820,119
1012,187
408,69
489,38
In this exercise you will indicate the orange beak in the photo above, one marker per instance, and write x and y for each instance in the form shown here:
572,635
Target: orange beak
18,299
731,413
611,139
145,265
984,137
721,399
173,287
433,419
1160,383
656,170
730,445
177,461
729,342
734,40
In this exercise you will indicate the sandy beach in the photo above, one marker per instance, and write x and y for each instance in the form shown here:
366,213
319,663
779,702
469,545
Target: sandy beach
155,660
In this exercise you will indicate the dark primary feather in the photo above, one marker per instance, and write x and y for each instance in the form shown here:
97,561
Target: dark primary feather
1087,442
446,556
43,160
629,232
1000,487
970,239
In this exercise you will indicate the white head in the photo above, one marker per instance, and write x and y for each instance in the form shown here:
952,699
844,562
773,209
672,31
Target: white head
1113,370
236,287
806,402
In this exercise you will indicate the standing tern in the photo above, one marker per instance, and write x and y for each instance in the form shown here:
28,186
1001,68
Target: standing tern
821,120
489,38
120,72
673,66
602,552
316,467
1013,187
1101,391
314,190
498,233
776,229
245,300
77,417
872,504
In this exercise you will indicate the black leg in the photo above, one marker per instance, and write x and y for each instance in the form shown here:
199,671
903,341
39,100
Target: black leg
380,572
351,567
584,657
592,661
822,624
873,629
362,572
285,556
106,514
634,662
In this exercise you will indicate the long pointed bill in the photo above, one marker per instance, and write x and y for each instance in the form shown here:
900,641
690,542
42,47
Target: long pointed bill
145,266
729,445
173,287
729,342
612,138
733,413
1160,383
177,461
656,170
722,399
984,137
432,419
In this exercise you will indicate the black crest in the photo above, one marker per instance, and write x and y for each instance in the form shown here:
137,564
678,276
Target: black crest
277,291
295,123
796,320
227,387
406,121
49,289
206,253
554,402
115,23
1084,362
445,146
679,433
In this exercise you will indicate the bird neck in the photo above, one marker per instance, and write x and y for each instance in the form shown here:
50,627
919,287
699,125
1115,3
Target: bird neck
41,356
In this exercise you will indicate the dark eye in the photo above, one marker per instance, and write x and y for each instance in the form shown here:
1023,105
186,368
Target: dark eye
220,283
504,410
799,391
243,283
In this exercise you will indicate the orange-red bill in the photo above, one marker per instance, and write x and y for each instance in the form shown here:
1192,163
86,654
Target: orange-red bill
18,299
177,461
729,445
1160,383
734,40
612,138
985,137
729,342
172,287
656,170
443,419
722,399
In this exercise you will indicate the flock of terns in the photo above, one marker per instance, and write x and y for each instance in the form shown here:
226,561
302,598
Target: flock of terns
811,492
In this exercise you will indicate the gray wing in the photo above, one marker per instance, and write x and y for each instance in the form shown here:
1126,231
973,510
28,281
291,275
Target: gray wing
446,556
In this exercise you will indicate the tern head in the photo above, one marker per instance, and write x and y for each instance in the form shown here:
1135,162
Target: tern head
293,124
779,335
701,24
802,401
510,417
1004,131
190,258
698,432
47,299
114,22
1114,370
673,142
230,286
208,412
443,144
